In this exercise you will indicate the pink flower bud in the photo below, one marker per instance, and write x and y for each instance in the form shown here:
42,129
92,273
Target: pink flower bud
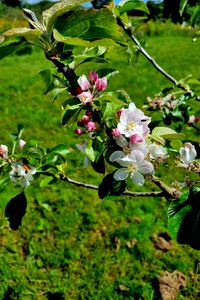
93,76
101,84
3,151
84,120
136,138
88,113
83,83
91,126
22,143
116,132
78,131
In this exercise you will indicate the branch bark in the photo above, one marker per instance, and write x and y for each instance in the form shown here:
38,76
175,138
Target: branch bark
146,54
165,190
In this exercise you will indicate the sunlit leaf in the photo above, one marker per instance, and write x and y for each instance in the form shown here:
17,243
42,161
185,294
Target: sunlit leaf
80,42
129,5
29,34
182,6
50,15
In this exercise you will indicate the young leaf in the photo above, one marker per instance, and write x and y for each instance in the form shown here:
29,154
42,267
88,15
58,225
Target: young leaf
29,34
15,210
111,187
184,218
71,112
60,149
182,6
50,15
129,5
81,42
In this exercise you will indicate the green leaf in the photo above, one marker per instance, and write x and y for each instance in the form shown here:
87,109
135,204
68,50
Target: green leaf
129,5
182,6
29,34
89,151
184,218
71,113
46,181
60,149
195,16
80,42
99,165
8,49
111,187
108,110
90,24
176,144
50,15
15,210
166,133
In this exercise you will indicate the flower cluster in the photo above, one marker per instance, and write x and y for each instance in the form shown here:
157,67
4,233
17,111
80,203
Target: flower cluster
20,173
91,87
86,123
136,155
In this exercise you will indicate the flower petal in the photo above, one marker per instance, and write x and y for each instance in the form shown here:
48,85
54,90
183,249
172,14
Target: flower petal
116,155
121,174
137,178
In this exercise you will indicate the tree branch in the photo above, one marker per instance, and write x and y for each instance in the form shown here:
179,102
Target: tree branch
146,54
166,191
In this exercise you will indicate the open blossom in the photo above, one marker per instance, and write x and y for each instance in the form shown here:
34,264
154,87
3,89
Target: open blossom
85,97
187,153
3,151
21,174
128,149
133,121
134,166
157,151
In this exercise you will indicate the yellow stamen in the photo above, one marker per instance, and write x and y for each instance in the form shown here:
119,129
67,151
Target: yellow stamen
131,125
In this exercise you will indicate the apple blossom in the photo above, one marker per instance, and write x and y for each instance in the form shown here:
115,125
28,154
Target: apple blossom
21,174
78,131
22,143
115,132
83,83
85,97
133,121
187,153
3,151
157,151
93,77
91,126
101,84
134,166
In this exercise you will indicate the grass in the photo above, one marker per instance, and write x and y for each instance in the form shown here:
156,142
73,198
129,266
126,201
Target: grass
71,244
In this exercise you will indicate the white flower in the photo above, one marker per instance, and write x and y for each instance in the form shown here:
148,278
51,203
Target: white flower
85,97
134,166
128,149
187,153
133,121
21,174
3,151
157,151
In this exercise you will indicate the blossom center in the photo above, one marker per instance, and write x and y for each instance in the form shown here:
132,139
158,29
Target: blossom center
131,125
132,168
126,150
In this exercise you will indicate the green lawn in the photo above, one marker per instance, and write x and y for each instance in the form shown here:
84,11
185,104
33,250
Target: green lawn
72,245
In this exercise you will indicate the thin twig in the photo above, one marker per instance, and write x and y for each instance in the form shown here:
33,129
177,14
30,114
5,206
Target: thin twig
146,54
126,193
